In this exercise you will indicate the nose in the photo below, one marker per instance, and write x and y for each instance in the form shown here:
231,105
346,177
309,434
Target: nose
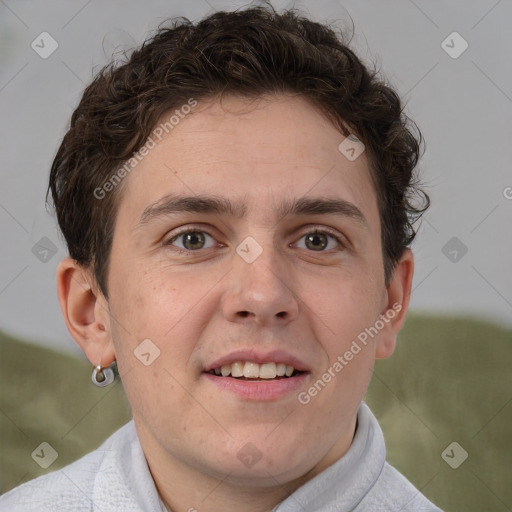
261,291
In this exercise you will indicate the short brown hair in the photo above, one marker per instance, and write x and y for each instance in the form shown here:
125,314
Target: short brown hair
252,52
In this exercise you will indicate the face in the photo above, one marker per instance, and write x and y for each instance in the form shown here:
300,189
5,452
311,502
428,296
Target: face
269,282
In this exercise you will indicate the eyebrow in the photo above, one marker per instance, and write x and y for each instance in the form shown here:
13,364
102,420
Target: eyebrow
220,205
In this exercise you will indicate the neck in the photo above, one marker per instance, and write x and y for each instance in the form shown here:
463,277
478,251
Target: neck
219,497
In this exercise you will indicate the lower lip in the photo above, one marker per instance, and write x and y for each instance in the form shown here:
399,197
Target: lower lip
258,389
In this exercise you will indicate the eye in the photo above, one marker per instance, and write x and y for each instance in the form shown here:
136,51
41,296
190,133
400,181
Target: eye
191,239
318,241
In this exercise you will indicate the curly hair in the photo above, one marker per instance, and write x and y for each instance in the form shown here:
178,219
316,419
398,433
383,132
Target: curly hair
251,52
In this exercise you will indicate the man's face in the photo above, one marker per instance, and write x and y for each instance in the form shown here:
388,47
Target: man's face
249,286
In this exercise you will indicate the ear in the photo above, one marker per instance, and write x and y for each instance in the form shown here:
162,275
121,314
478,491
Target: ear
396,304
85,312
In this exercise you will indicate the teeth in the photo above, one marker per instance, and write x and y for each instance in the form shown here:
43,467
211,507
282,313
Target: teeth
237,369
253,370
268,371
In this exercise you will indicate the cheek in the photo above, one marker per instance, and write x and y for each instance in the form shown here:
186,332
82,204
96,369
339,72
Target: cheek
151,302
168,305
152,341
349,310
344,305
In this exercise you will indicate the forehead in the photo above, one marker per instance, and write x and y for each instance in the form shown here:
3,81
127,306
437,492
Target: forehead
255,152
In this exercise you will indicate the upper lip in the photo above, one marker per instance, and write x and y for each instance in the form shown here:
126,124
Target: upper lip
255,356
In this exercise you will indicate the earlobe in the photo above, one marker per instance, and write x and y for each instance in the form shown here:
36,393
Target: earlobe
393,314
85,312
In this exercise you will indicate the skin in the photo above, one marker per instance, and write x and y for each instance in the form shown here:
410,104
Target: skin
200,306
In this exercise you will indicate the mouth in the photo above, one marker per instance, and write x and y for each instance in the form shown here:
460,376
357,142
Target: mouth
252,371
266,380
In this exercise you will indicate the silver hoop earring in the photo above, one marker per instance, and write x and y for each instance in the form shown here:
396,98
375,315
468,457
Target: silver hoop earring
102,377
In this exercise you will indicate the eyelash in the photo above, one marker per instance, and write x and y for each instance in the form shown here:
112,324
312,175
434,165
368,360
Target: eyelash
315,230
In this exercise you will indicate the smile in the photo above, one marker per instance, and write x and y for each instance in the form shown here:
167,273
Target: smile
251,370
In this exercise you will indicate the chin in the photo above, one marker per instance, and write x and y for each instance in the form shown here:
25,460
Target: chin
261,463
264,474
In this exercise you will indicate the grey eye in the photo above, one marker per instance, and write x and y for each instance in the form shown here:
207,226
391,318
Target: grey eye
191,240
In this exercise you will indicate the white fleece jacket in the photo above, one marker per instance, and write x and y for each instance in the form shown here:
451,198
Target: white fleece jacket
116,478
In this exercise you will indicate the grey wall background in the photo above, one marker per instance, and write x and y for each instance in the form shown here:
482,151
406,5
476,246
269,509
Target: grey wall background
461,100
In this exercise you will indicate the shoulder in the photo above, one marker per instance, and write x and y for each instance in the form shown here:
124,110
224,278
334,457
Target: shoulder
72,487
393,492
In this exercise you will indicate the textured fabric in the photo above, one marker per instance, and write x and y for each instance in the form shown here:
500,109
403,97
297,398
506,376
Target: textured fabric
116,478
